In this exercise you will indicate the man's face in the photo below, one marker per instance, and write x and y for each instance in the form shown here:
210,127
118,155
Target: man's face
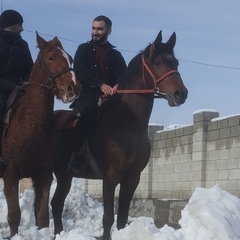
100,32
17,28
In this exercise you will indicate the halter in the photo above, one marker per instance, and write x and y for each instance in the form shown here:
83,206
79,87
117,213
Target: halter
58,74
156,81
152,75
53,76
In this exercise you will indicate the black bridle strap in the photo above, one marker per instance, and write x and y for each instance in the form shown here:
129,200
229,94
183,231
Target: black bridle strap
58,74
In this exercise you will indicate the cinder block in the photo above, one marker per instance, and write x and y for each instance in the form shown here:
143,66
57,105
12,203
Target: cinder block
224,133
222,175
235,131
205,116
213,135
234,121
223,123
211,176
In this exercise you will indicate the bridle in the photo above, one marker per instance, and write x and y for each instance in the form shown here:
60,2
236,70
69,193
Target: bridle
156,89
58,74
52,77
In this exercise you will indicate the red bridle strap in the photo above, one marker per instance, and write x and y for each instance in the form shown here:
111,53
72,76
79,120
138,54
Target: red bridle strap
152,75
135,91
154,79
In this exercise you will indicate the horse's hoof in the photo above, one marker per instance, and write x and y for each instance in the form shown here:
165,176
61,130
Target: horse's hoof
7,237
101,238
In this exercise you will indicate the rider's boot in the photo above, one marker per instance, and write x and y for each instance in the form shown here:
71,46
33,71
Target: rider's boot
77,163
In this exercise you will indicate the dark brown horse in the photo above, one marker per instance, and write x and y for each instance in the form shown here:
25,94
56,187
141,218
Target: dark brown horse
30,126
119,143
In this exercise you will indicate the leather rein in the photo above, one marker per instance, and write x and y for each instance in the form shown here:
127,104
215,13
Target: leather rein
156,81
53,76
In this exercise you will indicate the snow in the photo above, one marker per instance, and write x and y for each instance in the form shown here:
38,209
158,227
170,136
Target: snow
211,214
204,110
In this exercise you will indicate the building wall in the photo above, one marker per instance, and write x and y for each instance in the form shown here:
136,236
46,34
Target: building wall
203,154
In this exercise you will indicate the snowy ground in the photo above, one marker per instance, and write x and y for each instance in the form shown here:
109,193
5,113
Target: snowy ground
211,214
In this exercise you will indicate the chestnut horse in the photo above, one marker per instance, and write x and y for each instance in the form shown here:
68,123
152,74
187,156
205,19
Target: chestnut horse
119,143
30,126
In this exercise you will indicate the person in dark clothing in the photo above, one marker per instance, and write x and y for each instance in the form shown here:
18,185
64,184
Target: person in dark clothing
99,67
15,59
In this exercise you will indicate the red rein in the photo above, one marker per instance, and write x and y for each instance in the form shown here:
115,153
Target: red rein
154,78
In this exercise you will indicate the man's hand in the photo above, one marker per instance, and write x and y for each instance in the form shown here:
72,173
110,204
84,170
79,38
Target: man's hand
115,88
106,89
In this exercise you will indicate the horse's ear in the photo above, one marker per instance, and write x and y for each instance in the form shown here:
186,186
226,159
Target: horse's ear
58,43
157,41
158,38
40,41
172,40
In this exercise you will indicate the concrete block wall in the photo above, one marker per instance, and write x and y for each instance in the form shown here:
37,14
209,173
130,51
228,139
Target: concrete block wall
203,154
171,163
223,154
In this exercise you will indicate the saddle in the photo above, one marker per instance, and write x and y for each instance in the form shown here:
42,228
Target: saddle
12,102
67,120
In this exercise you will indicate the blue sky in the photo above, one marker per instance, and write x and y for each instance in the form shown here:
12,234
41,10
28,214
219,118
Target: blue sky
208,36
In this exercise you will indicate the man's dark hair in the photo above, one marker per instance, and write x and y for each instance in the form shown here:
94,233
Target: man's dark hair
107,21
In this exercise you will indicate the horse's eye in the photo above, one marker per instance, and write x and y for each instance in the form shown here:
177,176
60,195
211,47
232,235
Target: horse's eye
49,56
157,63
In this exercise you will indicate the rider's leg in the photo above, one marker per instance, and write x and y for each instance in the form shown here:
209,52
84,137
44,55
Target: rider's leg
82,130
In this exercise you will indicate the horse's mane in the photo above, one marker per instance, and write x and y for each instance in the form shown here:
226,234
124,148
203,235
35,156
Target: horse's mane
131,71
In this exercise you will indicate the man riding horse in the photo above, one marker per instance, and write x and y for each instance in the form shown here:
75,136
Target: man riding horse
15,60
99,67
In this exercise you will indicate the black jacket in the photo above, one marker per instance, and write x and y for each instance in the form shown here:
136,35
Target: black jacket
85,68
15,61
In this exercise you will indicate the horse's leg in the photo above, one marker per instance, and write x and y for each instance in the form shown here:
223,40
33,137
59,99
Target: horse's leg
127,189
42,189
11,193
63,187
108,206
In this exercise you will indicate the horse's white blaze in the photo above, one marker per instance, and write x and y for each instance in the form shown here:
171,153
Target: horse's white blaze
69,65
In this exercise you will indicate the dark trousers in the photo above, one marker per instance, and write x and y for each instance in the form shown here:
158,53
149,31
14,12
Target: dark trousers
88,108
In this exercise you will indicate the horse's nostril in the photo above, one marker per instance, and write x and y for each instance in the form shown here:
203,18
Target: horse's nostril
70,89
177,94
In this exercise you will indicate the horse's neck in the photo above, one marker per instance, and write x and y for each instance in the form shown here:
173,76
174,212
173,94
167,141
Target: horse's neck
141,104
37,91
40,72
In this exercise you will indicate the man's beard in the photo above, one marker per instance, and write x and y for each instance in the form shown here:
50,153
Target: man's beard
101,40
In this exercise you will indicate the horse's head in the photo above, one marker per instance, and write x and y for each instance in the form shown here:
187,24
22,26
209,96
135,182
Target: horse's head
161,64
62,78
